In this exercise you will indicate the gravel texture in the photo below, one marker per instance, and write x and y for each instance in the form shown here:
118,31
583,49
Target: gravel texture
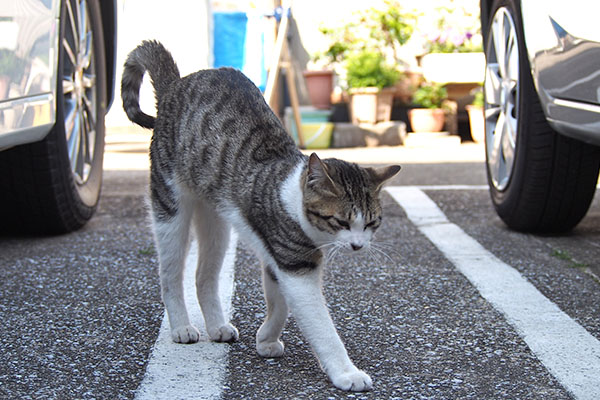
79,313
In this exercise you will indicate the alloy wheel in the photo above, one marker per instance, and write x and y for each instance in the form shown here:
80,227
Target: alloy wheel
501,90
79,89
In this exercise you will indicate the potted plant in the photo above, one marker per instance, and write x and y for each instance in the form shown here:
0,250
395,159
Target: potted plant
319,78
430,116
379,30
326,65
453,58
476,117
319,84
370,80
391,28
452,54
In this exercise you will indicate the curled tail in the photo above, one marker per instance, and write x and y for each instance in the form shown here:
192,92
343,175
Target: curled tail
150,56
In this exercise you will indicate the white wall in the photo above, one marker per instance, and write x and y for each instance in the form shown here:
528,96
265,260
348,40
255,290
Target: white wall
183,26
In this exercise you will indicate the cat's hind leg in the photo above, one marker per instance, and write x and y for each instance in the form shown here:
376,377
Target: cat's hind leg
212,234
268,343
171,231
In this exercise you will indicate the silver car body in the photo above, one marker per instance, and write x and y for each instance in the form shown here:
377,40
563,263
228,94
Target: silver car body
29,50
28,67
563,44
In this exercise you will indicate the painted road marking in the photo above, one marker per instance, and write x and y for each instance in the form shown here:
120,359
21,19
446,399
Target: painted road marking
452,187
195,371
566,349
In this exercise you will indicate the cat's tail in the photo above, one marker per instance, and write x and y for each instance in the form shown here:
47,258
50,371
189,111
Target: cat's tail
149,56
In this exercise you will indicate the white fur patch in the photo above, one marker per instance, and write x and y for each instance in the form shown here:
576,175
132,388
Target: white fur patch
291,196
357,235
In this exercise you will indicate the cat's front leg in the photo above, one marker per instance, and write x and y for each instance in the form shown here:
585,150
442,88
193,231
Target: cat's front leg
303,294
268,343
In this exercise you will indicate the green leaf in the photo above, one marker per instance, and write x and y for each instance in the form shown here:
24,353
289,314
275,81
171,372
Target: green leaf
369,69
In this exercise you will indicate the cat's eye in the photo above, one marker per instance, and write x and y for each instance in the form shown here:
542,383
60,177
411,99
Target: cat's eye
342,223
373,224
333,221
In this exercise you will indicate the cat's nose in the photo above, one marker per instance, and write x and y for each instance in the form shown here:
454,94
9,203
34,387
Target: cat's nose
356,246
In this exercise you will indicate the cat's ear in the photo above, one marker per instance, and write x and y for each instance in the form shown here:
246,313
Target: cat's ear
382,174
318,179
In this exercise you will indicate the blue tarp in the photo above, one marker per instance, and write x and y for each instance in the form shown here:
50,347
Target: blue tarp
230,39
239,43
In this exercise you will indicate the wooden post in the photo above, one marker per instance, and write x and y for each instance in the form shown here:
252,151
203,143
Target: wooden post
283,59
275,60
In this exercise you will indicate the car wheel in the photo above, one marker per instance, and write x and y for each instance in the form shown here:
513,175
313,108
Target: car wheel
540,181
53,186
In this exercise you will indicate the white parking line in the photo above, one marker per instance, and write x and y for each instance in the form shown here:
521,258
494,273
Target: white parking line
453,187
194,371
567,350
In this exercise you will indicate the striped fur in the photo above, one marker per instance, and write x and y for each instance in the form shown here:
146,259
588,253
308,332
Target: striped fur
220,158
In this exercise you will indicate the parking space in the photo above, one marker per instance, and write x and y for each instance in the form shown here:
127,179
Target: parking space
81,313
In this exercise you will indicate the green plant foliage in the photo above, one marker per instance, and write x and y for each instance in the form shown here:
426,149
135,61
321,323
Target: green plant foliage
369,69
343,42
384,30
478,101
391,26
430,95
451,40
566,256
147,251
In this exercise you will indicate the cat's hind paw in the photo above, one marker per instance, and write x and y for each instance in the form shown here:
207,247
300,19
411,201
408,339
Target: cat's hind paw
185,334
270,349
226,333
355,381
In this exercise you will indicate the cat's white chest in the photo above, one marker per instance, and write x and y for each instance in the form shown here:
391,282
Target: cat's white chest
291,195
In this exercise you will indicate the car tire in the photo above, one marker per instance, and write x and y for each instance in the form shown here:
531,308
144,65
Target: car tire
53,186
540,181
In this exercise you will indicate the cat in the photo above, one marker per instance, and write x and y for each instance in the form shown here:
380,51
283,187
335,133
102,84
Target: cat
220,158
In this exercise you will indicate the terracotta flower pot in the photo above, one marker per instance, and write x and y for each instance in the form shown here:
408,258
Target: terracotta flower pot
319,85
427,119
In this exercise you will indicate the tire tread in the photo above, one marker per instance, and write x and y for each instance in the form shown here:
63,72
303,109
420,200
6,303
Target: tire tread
554,177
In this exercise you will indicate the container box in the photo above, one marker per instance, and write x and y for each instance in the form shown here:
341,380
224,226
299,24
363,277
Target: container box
316,130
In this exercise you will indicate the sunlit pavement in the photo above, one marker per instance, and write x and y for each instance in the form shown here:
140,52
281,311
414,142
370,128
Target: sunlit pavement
80,313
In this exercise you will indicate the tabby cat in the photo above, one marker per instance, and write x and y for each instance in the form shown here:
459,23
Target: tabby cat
220,158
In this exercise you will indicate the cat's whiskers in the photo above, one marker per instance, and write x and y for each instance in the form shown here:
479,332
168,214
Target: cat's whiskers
389,248
376,250
333,252
315,249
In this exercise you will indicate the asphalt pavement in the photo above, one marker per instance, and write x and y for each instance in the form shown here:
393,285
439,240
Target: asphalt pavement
80,314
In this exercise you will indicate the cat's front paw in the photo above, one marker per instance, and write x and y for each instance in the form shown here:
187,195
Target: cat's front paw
354,381
185,334
225,333
270,349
